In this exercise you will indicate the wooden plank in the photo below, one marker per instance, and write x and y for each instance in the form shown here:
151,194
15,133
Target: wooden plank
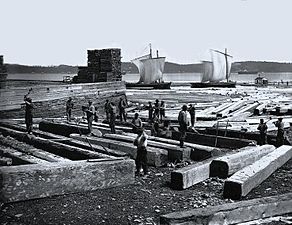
174,151
63,150
190,175
232,213
243,181
20,157
225,166
199,152
26,182
210,140
30,150
156,157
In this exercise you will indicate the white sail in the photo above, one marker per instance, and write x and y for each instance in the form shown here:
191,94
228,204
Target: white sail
207,71
216,71
140,66
153,69
150,69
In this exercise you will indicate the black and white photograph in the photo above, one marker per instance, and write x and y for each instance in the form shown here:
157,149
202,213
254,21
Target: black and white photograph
135,112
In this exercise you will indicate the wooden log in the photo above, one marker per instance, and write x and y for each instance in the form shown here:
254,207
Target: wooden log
60,149
29,150
190,175
19,158
26,182
225,166
210,140
232,213
156,157
174,151
243,181
5,161
198,153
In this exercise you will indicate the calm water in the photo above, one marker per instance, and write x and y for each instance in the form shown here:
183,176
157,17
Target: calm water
173,77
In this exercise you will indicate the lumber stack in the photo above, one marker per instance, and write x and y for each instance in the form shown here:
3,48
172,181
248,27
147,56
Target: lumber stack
243,181
232,213
102,66
50,100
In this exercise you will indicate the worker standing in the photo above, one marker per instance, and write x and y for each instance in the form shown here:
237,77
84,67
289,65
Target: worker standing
192,112
90,115
150,112
262,127
28,114
69,107
107,109
162,110
183,124
141,158
122,106
280,133
156,108
113,115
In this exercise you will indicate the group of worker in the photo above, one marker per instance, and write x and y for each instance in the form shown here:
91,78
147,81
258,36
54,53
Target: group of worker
156,114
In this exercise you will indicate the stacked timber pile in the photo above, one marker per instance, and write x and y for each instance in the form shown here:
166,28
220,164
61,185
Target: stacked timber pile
102,66
50,100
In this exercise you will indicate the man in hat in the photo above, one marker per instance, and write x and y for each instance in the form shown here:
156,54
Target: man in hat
122,106
262,127
90,115
183,124
141,158
280,133
28,114
69,107
191,110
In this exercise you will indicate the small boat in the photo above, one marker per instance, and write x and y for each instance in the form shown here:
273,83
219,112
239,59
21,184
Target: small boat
216,71
247,72
3,69
151,72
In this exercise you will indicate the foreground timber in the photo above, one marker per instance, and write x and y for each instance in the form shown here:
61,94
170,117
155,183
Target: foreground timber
25,182
232,213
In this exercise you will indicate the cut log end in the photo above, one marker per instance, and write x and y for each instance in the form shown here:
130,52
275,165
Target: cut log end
219,169
177,181
232,190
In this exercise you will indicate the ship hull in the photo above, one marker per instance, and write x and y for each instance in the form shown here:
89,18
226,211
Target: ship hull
165,85
214,84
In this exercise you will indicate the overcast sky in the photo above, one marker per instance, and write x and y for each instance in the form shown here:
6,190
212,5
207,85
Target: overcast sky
53,32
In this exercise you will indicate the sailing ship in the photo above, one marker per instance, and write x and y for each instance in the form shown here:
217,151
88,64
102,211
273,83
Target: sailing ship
3,70
151,72
216,71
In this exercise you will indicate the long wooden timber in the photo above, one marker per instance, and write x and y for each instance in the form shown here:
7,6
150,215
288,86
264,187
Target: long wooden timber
32,151
212,140
63,150
198,153
26,182
156,157
20,158
232,213
271,138
174,151
190,175
225,166
243,181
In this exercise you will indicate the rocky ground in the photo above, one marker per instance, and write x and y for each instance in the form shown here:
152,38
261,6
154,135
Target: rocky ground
139,203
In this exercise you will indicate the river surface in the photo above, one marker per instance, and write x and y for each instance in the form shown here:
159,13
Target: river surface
173,77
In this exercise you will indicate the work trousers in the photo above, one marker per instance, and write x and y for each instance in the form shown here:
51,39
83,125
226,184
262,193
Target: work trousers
183,134
280,138
123,115
112,124
263,139
28,123
141,160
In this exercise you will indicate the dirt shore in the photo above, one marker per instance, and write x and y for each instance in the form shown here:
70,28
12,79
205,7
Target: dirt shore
140,203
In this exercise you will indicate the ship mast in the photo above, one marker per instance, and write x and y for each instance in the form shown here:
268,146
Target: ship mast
150,50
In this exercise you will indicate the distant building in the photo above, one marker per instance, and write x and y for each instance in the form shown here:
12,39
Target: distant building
261,81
